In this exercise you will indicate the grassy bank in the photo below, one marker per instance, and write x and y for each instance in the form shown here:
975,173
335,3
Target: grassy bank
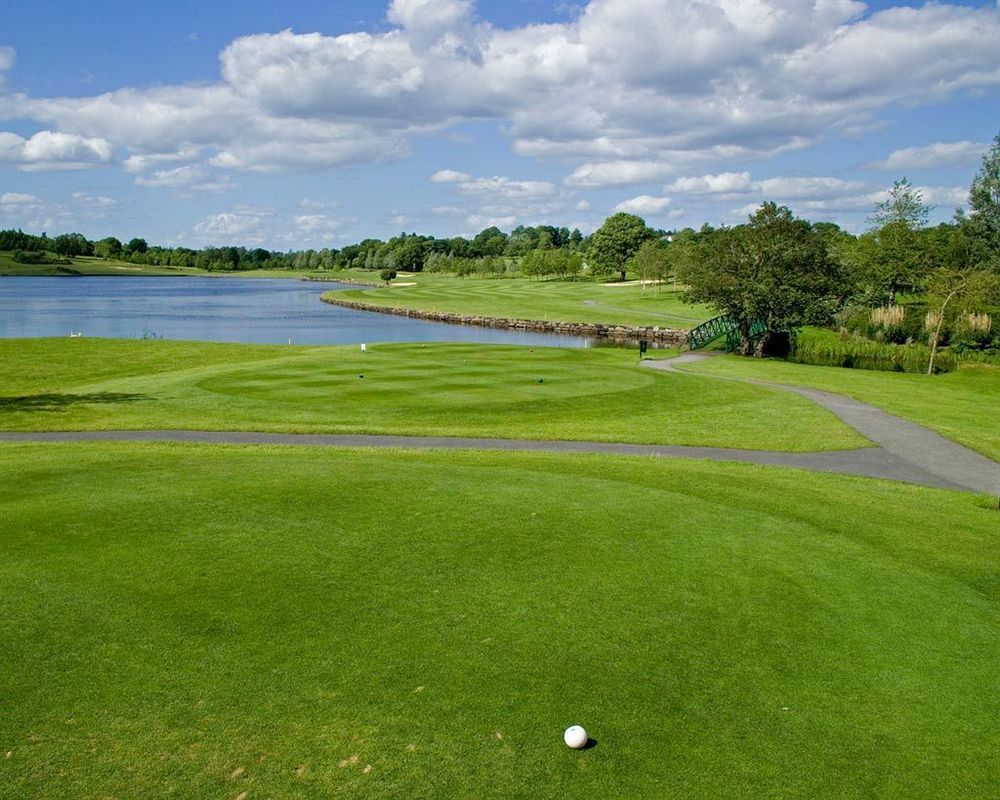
204,621
91,266
521,298
412,389
961,405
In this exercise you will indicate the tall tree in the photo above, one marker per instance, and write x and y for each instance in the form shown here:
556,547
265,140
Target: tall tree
890,256
983,223
773,270
616,242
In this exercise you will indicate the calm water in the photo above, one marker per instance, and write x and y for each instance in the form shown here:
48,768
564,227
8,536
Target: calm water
261,310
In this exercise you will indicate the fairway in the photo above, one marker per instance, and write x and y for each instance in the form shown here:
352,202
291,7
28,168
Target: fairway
521,298
405,389
426,625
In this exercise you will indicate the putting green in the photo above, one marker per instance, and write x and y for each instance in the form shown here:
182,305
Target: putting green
407,389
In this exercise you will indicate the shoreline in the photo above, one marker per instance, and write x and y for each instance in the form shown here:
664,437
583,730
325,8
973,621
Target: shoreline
597,330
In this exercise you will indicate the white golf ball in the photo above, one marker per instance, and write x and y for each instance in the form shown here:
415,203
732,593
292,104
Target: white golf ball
575,737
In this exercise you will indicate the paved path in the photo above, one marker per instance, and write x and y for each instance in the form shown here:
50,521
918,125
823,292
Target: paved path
904,452
910,452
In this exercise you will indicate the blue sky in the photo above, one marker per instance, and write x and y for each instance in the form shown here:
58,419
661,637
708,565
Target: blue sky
310,124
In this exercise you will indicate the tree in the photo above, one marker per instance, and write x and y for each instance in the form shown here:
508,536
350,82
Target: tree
616,242
137,246
983,223
772,270
650,262
387,275
889,257
952,291
108,248
488,242
904,204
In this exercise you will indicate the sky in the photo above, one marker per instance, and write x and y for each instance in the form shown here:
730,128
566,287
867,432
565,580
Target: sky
293,125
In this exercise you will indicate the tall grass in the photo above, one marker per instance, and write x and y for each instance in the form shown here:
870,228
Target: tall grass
863,354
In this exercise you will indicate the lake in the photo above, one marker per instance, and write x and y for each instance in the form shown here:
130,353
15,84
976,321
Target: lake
257,310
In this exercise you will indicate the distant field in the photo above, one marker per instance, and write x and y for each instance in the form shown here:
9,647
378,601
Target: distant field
88,265
84,265
962,405
450,390
185,621
571,301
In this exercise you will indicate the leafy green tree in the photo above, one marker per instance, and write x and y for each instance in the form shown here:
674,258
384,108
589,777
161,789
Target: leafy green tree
956,291
983,223
615,243
489,242
108,248
774,269
137,246
72,244
905,204
651,263
891,257
387,275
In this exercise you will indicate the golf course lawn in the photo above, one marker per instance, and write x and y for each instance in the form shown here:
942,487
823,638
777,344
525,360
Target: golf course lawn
201,621
962,405
91,265
86,265
407,389
521,298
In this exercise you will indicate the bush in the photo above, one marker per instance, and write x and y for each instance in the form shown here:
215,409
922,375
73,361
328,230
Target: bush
30,257
861,354
893,324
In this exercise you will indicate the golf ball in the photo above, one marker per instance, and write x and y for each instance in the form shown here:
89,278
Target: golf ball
575,737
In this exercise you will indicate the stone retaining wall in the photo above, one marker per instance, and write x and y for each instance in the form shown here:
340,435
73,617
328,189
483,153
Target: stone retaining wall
675,336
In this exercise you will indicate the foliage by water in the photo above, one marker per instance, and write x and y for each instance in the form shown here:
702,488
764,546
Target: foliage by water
858,353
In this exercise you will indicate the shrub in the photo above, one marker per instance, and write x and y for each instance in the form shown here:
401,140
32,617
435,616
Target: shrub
862,354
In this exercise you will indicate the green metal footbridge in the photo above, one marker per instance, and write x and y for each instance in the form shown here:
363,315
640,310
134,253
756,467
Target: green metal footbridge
717,327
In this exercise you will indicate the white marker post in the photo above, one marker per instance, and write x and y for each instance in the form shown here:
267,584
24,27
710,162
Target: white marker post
362,347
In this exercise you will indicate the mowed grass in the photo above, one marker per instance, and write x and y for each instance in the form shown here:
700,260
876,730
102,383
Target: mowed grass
962,405
196,621
406,389
521,298
90,265
86,265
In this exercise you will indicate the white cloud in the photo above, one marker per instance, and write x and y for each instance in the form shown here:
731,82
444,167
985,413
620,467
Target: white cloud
447,211
478,222
501,187
18,199
143,162
7,58
643,204
724,182
618,173
938,154
785,188
649,84
189,178
945,196
228,225
450,176
583,205
94,201
50,150
317,223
